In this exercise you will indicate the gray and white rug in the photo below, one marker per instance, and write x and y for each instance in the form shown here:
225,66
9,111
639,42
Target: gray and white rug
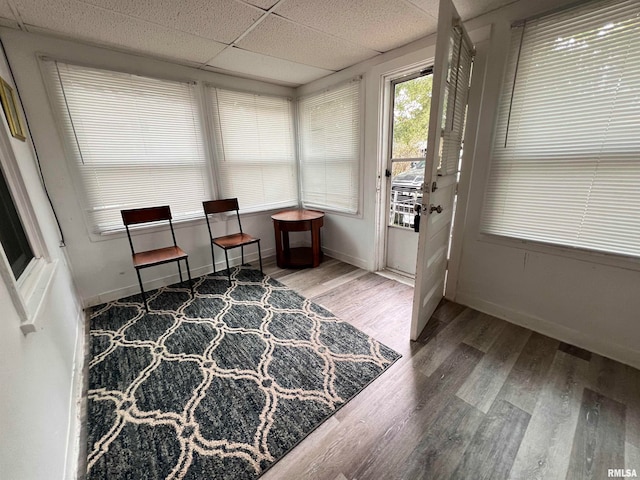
220,385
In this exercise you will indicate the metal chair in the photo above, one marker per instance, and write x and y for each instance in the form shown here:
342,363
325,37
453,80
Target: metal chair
228,242
151,258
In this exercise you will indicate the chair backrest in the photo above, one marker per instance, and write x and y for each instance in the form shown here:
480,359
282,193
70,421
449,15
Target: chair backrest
220,206
147,215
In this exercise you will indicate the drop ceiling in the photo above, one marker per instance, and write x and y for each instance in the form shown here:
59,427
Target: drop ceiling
289,42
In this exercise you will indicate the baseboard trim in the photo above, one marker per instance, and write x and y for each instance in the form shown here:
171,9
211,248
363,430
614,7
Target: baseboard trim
343,257
75,400
559,332
174,278
398,277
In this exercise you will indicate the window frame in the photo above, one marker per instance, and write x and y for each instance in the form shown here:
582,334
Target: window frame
27,292
579,253
69,150
359,213
212,138
14,232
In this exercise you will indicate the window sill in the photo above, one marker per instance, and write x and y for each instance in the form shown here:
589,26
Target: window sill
331,211
141,229
580,254
178,224
33,286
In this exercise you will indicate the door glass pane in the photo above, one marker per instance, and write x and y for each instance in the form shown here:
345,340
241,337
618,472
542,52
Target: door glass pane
411,104
12,236
406,192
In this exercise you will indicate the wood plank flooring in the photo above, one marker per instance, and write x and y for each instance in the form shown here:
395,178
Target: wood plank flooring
475,397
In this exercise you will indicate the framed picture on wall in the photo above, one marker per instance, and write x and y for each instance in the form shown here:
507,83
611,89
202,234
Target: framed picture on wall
9,105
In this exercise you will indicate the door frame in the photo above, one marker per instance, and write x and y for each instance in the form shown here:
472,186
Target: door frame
464,182
405,64
387,77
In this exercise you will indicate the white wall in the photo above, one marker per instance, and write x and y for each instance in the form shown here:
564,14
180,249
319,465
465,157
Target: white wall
589,300
352,238
578,298
38,372
347,237
102,266
554,292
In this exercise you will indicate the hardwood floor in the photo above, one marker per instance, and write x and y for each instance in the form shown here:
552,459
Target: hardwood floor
475,397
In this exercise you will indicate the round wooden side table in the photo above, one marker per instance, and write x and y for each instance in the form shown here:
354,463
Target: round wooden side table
297,221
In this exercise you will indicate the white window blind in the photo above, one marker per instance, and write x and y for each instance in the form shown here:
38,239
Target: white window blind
329,136
255,149
566,156
456,93
135,142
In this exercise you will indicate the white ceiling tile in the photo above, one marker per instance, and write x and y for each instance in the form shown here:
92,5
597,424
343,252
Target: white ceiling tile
86,22
5,11
6,22
264,4
249,76
263,66
221,20
315,38
376,24
466,8
281,38
472,8
431,6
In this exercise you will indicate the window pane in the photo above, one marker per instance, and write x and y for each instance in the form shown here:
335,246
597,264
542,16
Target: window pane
565,166
406,192
329,135
12,236
411,104
133,141
255,148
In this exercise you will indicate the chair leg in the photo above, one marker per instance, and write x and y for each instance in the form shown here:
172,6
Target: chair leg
226,257
186,260
144,297
180,272
260,256
213,258
242,253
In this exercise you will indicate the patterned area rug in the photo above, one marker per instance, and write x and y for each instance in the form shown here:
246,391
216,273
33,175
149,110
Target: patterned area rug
221,385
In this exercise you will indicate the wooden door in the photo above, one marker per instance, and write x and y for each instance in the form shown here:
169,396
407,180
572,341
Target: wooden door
451,78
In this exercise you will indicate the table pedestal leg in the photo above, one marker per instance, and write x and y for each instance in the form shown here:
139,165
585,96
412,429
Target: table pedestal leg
279,253
315,243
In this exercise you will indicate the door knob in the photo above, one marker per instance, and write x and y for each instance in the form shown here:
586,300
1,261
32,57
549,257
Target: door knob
433,208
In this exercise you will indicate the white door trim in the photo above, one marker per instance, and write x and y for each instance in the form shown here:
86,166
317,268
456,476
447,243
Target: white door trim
386,77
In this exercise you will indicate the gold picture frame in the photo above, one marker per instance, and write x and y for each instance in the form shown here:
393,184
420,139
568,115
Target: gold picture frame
10,107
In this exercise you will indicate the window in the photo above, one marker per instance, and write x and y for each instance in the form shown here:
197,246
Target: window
134,141
255,148
566,156
12,235
329,135
25,266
